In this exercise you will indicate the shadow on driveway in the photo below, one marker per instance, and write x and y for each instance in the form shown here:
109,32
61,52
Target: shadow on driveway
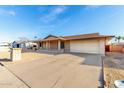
90,59
93,60
5,60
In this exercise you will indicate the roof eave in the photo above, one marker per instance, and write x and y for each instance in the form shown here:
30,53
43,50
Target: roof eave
91,38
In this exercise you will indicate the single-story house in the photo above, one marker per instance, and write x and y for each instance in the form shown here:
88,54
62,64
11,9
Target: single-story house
84,43
23,44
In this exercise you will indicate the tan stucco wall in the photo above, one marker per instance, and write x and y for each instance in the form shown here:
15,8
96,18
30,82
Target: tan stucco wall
44,44
47,45
67,46
53,44
102,46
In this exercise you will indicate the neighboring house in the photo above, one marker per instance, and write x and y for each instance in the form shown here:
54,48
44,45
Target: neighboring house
23,44
15,44
85,43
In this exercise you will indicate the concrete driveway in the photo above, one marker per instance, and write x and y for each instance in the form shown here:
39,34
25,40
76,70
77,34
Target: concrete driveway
61,71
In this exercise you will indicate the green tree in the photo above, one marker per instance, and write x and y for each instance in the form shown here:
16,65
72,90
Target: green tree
118,38
122,37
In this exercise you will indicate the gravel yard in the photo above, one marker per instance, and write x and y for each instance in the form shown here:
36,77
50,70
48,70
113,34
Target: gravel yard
113,68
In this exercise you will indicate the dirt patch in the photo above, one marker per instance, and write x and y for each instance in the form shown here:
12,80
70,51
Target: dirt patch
113,68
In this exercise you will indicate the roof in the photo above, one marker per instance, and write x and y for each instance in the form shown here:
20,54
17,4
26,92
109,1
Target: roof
52,37
87,37
75,37
19,42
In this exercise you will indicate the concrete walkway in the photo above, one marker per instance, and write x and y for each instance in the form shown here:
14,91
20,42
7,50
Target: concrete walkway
8,80
61,71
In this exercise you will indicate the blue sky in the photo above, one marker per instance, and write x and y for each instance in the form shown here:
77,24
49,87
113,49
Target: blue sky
40,21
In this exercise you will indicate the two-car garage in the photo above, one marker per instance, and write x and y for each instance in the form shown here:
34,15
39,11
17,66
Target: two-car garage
87,46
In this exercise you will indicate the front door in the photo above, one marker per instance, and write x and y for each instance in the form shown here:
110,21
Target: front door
62,45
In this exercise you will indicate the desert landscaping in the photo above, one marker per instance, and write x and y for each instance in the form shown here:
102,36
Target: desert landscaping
113,68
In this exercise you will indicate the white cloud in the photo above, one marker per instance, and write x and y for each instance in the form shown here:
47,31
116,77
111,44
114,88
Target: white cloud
7,12
53,13
88,7
59,9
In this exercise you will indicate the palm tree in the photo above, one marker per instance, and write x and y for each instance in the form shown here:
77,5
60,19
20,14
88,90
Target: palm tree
118,38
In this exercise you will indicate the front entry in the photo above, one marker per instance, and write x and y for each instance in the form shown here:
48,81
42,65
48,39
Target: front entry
62,45
54,45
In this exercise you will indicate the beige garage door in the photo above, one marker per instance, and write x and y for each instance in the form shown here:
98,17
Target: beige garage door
84,46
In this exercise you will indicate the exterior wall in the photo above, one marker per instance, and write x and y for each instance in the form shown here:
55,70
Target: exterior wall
102,46
67,46
47,45
44,45
53,44
22,45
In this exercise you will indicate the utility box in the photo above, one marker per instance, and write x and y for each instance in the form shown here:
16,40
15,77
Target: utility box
16,54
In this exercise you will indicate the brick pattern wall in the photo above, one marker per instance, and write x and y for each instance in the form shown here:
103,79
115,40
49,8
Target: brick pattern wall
114,48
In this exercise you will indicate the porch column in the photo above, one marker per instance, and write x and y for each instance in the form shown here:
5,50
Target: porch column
45,45
49,44
38,45
59,45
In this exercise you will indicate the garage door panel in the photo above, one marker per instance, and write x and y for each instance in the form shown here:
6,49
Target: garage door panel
89,46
